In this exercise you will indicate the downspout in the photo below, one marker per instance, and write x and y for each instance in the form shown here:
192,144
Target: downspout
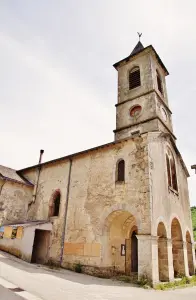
37,179
66,210
1,187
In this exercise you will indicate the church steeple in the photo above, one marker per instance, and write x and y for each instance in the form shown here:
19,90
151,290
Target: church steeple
142,95
139,47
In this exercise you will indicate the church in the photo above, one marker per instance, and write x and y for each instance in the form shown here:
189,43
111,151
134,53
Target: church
119,208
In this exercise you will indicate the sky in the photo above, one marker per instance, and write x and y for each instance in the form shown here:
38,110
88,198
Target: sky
58,88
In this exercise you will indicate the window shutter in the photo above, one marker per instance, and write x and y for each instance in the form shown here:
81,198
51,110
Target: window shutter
134,79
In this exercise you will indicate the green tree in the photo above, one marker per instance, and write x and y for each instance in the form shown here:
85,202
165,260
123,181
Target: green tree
193,213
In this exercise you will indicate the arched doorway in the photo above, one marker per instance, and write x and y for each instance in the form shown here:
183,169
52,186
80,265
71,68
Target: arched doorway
121,230
189,253
177,248
162,253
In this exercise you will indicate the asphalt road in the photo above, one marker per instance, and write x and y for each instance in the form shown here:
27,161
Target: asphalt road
6,294
46,284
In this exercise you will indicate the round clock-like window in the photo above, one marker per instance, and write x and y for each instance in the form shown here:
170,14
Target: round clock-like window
164,114
135,111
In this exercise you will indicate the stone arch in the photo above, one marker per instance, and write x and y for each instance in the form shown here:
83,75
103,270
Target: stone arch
104,221
189,253
54,203
118,230
162,252
177,248
161,219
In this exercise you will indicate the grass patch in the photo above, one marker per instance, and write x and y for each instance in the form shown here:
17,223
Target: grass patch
142,282
78,268
124,278
184,282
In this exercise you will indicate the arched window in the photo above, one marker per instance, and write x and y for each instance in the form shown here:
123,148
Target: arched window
120,171
171,171
159,83
55,204
134,78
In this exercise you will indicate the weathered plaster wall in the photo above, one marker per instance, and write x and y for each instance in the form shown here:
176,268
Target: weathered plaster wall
52,177
14,199
152,101
143,62
166,204
94,195
148,104
155,66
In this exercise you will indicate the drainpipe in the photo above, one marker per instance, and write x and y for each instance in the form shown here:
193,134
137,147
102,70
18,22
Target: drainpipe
1,187
66,210
37,177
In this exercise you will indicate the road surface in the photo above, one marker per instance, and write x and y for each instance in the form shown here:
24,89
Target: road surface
6,294
42,283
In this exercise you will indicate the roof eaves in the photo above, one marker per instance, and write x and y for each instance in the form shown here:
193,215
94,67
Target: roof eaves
73,155
17,181
132,55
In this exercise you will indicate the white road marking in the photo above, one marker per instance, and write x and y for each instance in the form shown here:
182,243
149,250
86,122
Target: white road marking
8,285
27,296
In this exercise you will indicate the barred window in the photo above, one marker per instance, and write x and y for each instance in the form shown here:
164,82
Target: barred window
134,78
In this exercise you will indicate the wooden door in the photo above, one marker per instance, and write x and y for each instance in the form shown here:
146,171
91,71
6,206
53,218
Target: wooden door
134,253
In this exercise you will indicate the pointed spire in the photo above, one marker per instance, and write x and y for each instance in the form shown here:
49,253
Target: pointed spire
139,47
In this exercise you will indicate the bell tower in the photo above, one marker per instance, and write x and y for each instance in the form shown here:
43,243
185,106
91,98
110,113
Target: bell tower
142,95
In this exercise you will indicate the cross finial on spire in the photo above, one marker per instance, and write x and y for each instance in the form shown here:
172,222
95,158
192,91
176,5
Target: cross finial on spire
139,34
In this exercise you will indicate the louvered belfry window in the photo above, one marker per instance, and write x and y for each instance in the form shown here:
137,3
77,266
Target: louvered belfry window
159,83
134,78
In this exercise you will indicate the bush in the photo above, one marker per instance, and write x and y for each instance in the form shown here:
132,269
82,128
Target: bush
78,268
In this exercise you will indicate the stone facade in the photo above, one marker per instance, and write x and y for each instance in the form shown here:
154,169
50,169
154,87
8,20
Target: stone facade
136,225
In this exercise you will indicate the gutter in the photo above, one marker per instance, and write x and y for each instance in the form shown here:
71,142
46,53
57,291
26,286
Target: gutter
66,210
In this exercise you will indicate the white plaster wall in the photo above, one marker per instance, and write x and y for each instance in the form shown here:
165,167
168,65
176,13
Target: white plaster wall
24,246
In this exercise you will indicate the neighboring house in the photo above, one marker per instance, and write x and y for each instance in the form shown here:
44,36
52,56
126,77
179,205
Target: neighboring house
122,207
